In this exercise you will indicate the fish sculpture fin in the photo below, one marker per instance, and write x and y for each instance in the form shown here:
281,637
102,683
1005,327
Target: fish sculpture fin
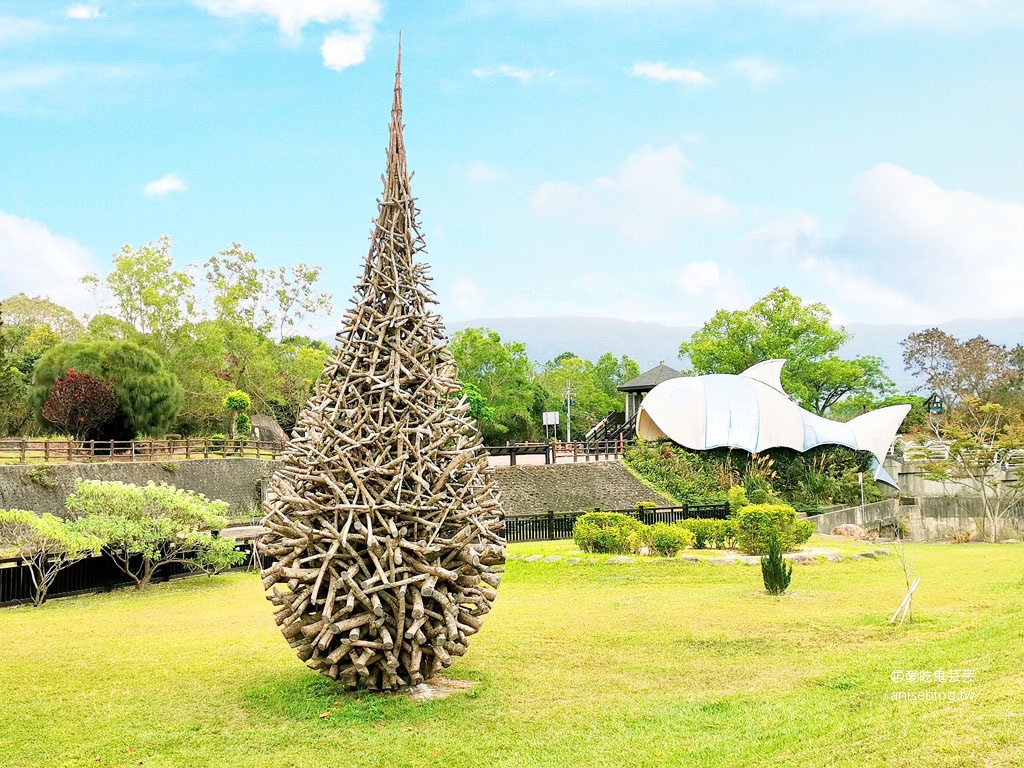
767,372
876,430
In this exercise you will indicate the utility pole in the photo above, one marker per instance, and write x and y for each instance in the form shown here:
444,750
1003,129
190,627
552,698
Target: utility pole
568,410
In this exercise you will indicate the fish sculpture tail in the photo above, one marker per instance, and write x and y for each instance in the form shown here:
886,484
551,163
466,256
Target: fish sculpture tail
874,430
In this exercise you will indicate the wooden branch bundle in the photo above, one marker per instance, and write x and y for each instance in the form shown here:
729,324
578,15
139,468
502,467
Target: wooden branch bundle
384,524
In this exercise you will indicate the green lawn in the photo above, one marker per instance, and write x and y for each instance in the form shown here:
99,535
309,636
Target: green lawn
654,663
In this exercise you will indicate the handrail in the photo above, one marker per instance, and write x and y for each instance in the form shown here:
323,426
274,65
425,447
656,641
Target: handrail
53,451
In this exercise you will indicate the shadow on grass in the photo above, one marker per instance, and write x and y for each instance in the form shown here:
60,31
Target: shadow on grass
308,695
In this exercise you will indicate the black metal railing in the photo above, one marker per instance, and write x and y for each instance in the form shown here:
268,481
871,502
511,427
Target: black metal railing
550,526
91,574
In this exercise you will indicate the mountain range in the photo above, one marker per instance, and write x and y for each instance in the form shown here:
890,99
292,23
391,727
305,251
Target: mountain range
650,343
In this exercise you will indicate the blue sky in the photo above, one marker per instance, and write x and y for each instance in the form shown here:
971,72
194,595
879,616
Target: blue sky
649,159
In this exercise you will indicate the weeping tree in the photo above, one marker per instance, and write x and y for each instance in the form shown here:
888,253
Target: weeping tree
45,544
147,394
144,527
384,522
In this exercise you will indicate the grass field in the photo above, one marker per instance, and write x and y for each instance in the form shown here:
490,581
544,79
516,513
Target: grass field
650,664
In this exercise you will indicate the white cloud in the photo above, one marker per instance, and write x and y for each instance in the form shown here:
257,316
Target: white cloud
341,48
756,70
346,49
166,184
516,73
82,11
662,73
646,201
293,15
705,281
31,77
15,29
482,173
35,261
911,251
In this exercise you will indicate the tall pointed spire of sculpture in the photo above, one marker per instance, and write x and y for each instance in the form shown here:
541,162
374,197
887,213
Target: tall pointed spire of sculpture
384,522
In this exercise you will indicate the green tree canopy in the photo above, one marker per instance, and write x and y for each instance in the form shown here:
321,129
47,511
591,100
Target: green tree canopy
32,311
161,523
507,399
592,387
148,395
782,325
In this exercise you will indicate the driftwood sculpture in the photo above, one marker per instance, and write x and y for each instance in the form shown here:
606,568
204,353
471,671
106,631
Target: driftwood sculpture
384,524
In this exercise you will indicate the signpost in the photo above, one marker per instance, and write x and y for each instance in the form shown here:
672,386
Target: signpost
550,420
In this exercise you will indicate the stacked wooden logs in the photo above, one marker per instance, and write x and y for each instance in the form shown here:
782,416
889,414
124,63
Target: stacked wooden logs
384,524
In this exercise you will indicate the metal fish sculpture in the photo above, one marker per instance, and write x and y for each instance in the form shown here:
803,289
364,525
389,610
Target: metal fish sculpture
752,412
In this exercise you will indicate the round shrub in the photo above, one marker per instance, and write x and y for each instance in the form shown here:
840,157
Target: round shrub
803,530
148,395
756,524
667,539
607,532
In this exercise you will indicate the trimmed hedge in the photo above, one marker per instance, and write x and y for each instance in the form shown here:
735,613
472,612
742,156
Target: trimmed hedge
710,533
756,524
608,533
803,530
667,539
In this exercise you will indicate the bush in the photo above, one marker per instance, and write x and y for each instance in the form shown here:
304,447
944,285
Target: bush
667,539
775,571
803,530
709,533
756,524
148,395
737,499
607,532
159,522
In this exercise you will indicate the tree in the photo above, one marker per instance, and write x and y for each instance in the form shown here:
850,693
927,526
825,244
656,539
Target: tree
80,404
236,285
148,292
781,325
45,544
984,441
504,377
12,387
148,396
237,404
857,405
296,296
960,372
35,311
160,523
592,387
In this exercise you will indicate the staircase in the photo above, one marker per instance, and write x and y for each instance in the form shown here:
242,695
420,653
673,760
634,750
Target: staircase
612,428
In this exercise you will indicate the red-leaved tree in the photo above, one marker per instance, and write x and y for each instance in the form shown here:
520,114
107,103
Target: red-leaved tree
80,405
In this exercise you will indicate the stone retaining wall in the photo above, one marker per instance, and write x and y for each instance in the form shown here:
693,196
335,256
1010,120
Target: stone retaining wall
44,488
570,487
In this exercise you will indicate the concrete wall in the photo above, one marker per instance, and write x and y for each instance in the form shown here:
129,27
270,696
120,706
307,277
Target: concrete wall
570,487
524,489
932,518
44,488
880,510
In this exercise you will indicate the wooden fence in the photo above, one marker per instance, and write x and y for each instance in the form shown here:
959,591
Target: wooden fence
551,526
24,451
560,453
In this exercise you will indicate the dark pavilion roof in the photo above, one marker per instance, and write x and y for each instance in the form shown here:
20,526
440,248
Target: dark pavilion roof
649,379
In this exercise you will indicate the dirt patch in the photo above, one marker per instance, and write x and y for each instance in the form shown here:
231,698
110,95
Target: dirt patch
438,688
